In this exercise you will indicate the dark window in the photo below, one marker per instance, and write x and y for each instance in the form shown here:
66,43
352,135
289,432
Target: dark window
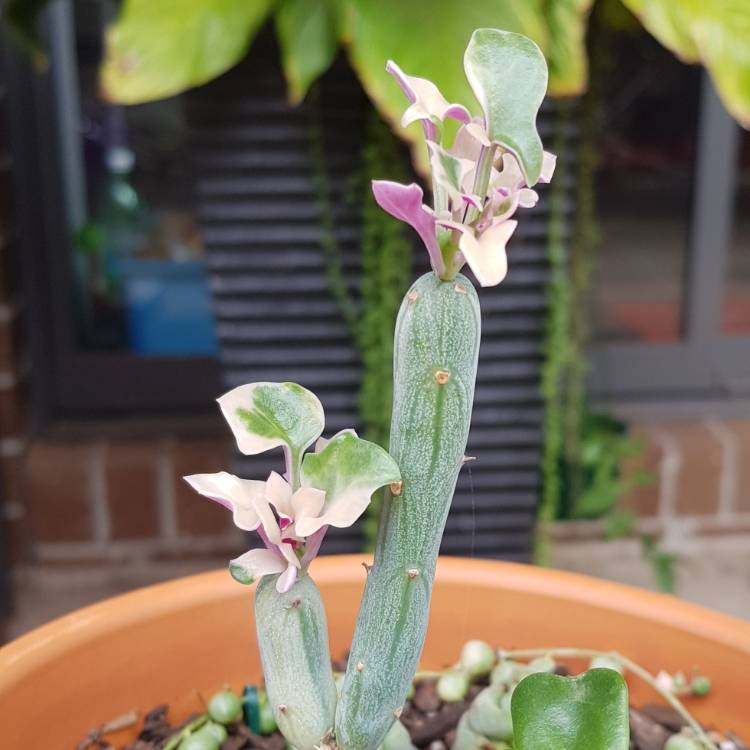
121,307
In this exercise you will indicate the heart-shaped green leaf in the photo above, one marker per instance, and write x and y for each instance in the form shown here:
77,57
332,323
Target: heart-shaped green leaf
508,75
348,470
267,415
588,712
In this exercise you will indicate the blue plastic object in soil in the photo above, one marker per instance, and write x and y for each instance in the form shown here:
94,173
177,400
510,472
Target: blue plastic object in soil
168,307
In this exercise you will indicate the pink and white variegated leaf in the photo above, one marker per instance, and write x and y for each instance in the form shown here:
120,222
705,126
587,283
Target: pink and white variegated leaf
485,253
448,173
427,103
405,203
240,496
254,564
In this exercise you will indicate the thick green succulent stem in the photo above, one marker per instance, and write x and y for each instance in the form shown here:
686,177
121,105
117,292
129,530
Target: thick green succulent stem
435,359
293,643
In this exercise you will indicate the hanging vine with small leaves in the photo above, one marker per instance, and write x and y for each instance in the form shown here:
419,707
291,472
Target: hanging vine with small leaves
386,259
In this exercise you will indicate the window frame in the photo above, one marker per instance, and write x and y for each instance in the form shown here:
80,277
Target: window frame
704,366
66,381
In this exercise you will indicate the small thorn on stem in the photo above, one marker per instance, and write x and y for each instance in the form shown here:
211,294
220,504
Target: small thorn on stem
460,288
468,459
360,666
413,296
442,377
412,573
397,713
396,488
367,567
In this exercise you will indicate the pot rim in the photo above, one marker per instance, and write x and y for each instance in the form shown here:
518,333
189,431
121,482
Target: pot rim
53,639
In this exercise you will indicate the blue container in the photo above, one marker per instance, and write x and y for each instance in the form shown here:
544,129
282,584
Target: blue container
168,307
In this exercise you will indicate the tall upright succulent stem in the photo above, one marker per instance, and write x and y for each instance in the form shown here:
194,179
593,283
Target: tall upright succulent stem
435,358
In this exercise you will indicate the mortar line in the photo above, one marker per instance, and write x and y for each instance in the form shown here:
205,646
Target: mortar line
669,471
165,492
101,519
729,465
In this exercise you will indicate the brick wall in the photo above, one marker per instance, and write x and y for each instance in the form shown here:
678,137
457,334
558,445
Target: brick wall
113,501
701,470
698,510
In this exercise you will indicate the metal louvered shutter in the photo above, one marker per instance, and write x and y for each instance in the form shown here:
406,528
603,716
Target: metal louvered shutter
277,321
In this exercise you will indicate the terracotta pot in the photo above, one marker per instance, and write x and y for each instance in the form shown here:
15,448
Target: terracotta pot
178,641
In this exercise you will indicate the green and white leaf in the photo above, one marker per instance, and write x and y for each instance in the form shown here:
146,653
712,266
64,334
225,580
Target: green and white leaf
254,564
508,75
348,469
588,712
715,33
308,33
158,48
268,415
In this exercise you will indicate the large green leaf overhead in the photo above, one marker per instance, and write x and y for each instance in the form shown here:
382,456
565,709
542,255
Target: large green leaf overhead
308,33
566,48
714,32
428,39
158,48
588,712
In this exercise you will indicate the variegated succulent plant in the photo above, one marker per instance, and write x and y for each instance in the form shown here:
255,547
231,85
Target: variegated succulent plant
480,178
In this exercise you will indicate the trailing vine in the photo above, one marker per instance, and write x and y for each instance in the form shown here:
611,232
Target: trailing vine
386,263
322,191
583,451
556,348
386,257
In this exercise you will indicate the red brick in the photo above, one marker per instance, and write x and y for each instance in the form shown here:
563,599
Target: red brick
132,489
699,479
195,514
741,430
58,492
642,498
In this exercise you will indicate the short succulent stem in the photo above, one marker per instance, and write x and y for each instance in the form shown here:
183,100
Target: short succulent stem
481,179
628,664
294,461
435,357
450,252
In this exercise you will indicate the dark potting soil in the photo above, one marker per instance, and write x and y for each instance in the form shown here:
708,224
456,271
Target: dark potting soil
430,722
